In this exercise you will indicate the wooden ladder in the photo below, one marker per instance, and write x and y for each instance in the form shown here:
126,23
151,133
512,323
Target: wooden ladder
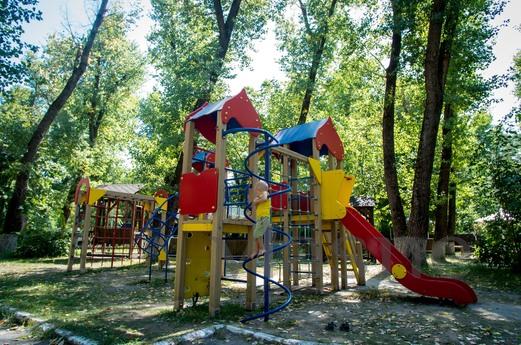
353,250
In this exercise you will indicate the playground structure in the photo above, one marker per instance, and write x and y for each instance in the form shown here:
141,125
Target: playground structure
312,220
110,225
310,210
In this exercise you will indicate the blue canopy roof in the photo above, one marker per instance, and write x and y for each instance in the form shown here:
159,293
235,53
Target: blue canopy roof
300,138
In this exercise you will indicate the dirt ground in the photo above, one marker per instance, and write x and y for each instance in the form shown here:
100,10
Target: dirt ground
380,312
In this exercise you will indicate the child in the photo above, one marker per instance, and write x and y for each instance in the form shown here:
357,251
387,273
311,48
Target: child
263,206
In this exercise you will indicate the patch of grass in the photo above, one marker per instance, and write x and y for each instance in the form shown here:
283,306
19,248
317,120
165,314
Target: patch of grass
477,275
7,318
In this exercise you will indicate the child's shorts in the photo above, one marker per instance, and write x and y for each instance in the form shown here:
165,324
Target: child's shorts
261,226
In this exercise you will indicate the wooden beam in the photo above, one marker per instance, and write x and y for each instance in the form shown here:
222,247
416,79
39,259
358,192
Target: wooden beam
285,254
217,229
180,261
295,232
342,247
284,150
360,263
251,284
85,239
334,239
318,275
75,226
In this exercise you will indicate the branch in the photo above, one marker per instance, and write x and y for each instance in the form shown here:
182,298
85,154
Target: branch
232,14
305,17
220,18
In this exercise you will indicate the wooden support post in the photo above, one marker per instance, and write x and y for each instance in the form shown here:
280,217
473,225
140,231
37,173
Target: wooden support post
317,238
342,246
161,263
85,239
295,230
74,238
285,254
360,263
251,284
180,260
217,221
334,239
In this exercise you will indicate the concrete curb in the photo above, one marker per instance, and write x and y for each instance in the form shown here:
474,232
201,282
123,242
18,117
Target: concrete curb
209,331
188,337
46,326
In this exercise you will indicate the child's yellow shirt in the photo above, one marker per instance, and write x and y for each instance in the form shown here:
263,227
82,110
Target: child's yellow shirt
263,209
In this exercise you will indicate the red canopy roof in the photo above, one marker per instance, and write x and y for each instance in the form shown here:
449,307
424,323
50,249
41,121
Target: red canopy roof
236,112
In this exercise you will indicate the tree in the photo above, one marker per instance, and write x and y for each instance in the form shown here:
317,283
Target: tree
316,38
14,218
415,243
117,69
193,47
13,14
390,171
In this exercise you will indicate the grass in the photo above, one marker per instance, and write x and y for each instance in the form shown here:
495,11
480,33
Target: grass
476,274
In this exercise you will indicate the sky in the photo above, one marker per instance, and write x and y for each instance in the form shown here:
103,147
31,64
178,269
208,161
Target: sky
78,14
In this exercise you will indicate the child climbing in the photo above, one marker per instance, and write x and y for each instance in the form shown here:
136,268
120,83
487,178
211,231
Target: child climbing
262,213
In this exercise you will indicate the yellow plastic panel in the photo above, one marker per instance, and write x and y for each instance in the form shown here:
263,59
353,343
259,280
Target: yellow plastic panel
315,168
206,226
95,195
346,188
160,201
331,186
197,276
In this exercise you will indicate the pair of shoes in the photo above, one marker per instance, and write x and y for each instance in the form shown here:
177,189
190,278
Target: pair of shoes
344,326
330,326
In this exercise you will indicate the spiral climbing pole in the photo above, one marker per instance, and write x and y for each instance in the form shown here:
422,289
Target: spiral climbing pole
265,147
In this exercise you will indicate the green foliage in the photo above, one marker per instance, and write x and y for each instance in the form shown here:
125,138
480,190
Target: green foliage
41,239
499,243
92,133
500,238
13,14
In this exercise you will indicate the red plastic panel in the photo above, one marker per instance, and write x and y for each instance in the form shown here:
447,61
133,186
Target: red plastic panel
198,192
328,136
240,108
280,201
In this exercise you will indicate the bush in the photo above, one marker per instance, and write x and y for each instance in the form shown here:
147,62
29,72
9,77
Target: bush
37,242
499,244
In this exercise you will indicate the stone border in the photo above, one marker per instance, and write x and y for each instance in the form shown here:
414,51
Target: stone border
46,326
209,331
188,337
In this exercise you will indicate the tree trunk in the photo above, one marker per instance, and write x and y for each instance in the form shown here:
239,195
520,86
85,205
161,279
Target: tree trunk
418,226
315,64
390,172
452,218
14,216
441,214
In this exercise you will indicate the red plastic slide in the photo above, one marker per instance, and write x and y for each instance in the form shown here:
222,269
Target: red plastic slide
394,261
